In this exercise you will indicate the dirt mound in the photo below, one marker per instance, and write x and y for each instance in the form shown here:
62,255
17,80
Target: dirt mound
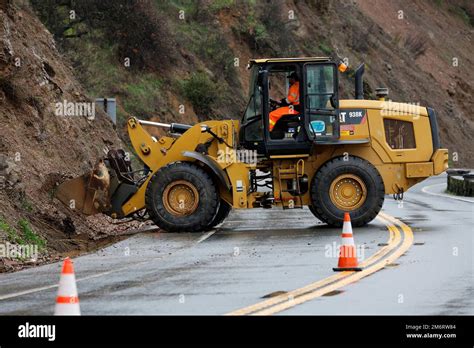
39,145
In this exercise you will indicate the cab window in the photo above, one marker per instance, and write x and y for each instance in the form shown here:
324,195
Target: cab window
321,99
253,119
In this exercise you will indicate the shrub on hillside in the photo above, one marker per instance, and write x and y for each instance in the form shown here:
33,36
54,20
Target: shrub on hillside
266,28
201,92
137,28
215,51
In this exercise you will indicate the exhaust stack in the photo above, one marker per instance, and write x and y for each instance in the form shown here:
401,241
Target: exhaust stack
359,82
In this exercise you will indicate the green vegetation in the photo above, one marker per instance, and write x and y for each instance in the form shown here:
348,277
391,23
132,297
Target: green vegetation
12,235
201,92
101,46
26,235
261,34
252,30
325,49
218,5
30,236
266,28
216,51
142,95
99,67
189,7
153,35
463,11
465,15
206,41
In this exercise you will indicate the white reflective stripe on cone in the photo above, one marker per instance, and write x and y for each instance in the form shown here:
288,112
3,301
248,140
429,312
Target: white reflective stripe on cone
67,285
67,309
347,227
348,241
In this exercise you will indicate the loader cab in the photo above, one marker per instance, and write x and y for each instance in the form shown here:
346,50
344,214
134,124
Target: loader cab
315,119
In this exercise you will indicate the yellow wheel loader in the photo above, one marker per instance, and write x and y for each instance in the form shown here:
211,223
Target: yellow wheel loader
331,155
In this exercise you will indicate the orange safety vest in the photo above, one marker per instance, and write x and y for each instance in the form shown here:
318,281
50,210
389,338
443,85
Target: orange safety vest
293,98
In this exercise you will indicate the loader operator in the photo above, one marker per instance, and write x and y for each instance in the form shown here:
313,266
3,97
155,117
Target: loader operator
288,105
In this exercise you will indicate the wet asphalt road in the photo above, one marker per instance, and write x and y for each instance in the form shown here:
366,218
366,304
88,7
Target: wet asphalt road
259,252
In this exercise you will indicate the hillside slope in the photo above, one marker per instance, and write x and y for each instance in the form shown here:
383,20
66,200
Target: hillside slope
194,54
39,147
440,34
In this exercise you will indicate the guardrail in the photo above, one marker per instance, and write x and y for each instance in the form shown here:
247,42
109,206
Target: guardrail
461,182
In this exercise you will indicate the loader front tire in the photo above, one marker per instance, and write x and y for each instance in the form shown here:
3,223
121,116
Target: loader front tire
222,213
351,185
182,197
314,212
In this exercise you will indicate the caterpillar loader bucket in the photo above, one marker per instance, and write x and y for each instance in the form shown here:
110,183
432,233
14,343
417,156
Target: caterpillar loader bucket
88,193
103,190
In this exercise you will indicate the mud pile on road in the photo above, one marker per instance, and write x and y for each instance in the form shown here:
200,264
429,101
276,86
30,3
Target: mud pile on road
39,147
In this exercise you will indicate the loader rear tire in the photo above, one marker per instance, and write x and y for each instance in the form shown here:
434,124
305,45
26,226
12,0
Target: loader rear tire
353,185
181,197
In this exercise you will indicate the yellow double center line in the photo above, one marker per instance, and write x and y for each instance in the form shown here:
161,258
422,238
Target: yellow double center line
395,247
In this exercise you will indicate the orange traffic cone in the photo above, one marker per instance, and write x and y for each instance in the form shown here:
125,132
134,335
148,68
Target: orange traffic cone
347,252
67,301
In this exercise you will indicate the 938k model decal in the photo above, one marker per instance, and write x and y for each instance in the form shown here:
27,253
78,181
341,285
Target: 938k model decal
352,116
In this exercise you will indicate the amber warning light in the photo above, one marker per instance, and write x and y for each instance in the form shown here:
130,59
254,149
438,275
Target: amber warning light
342,67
